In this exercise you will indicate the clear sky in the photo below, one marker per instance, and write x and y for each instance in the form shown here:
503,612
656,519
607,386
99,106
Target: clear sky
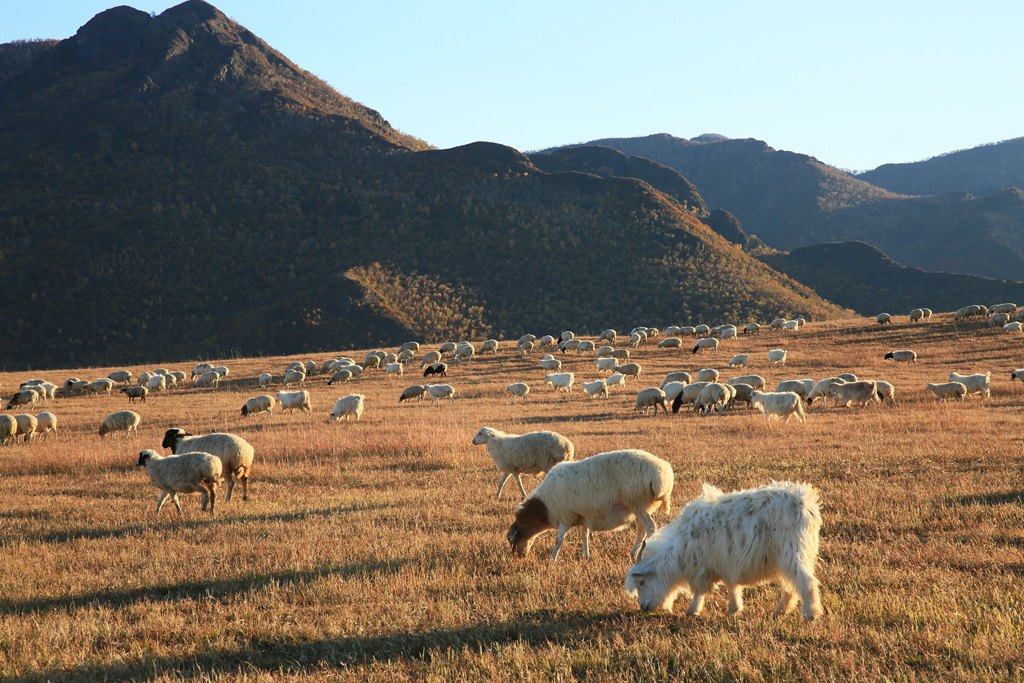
855,84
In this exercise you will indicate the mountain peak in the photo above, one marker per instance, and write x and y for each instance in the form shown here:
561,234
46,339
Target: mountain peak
193,12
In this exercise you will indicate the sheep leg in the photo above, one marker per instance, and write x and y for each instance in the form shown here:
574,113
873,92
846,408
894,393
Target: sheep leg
786,602
586,543
501,484
230,486
213,496
519,481
177,503
696,605
204,497
807,587
562,529
735,599
161,500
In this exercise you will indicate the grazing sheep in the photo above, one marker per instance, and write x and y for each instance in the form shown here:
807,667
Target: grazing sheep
604,492
348,407
687,331
464,352
672,390
629,369
886,391
1017,375
620,354
430,358
999,320
713,398
616,379
258,404
883,319
740,539
294,376
405,356
134,392
652,397
756,381
409,346
705,344
439,391
820,390
552,364
560,381
845,393
395,369
294,400
200,368
916,315
526,348
489,346
777,357
1003,308
531,338
545,341
604,352
372,361
122,376
102,385
194,472
515,455
570,345
264,380
436,369
671,343
778,404
208,380
596,389
414,391
122,421
448,348
677,376
8,429
221,370
927,314
948,390
901,356
800,387
585,346
708,375
606,364
608,335
701,330
743,392
976,384
235,453
566,336
739,361
751,328
791,326
46,423
1013,327
518,390
27,427
688,396
846,377
343,374
24,397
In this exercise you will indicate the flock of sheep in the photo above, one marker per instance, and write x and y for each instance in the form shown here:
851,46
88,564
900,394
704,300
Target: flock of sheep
738,539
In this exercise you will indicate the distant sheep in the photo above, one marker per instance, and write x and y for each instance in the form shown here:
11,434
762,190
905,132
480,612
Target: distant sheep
777,357
751,328
258,404
394,369
606,364
24,397
122,376
208,380
1013,327
122,421
714,397
8,429
671,343
515,455
672,389
778,404
708,344
430,358
629,369
294,400
948,390
489,346
518,390
550,364
901,356
616,379
916,315
348,407
886,391
688,396
976,384
193,472
999,320
800,387
27,425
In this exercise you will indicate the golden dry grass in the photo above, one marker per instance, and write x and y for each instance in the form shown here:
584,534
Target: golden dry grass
375,550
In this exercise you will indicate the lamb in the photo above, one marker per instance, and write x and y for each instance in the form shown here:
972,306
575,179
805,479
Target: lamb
976,384
194,472
27,426
122,421
616,379
560,381
672,389
264,380
800,387
671,343
948,390
739,361
777,357
916,315
596,389
629,369
46,423
515,455
740,539
208,379
705,344
708,375
519,390
689,395
258,404
489,346
883,319
604,492
122,376
430,358
394,369
756,381
294,400
901,356
885,391
8,429
713,398
436,369
439,391
235,453
778,404
751,328
845,393
652,397
411,392
134,392
348,407
24,397
678,376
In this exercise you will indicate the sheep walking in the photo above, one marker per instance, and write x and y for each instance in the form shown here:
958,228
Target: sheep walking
135,392
518,390
45,424
862,392
652,397
778,404
948,390
976,384
515,455
777,357
295,400
235,453
348,407
901,356
193,472
768,534
707,344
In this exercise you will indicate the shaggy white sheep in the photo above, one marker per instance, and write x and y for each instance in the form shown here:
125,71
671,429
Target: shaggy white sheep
489,346
430,358
515,455
778,404
550,364
751,328
1013,327
777,357
526,348
976,384
235,453
606,364
1003,308
672,390
608,335
886,391
208,379
395,369
121,421
294,400
348,407
596,389
652,397
258,404
916,315
604,492
193,472
999,320
768,534
560,381
518,390
948,390
714,397
739,361
103,385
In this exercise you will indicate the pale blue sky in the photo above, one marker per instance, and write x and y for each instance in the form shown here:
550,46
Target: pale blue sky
855,84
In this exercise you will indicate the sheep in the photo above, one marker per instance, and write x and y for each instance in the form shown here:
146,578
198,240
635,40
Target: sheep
677,376
531,453
430,358
620,354
901,356
531,338
258,404
264,380
8,429
586,346
671,343
1017,375
820,390
778,404
294,376
927,314
221,370
348,407
560,381
629,369
102,385
616,379
751,328
342,375
845,393
672,390
464,352
545,341
24,397
235,453
405,356
999,320
1013,327
688,396
883,319
756,381
409,346
395,369
652,397
133,392
701,330
604,492
519,390
489,346
916,315
1003,308
200,368
161,371
728,332
411,392
193,472
846,377
968,312
706,344
976,384
708,375
800,387
208,380
948,390
294,400
739,361
551,364
46,423
122,421
373,361
777,357
885,391
570,345
436,369
608,335
122,376
27,426
78,387
595,389
713,398
566,336
48,389
791,326
604,352
525,348
743,392
687,331
606,364
439,391
740,539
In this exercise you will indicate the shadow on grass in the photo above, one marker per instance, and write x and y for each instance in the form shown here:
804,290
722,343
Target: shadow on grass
220,589
1005,498
69,535
542,629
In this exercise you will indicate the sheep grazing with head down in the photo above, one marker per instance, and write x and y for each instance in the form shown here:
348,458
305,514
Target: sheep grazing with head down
258,404
705,344
235,453
348,407
708,375
948,390
411,392
604,492
518,390
436,369
295,400
845,393
8,429
778,404
745,538
677,376
122,421
440,391
515,455
901,356
596,389
193,472
649,398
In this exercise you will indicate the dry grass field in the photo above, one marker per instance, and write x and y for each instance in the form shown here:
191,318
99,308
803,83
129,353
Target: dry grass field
376,550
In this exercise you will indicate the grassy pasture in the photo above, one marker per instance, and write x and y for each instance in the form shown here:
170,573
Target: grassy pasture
375,550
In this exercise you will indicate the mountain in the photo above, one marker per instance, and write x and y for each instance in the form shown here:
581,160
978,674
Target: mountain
18,56
792,200
174,187
980,171
861,277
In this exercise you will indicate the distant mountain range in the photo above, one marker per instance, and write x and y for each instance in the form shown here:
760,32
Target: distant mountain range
175,187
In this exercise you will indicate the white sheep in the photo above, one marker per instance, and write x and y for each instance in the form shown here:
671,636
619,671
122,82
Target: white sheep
585,346
671,343
26,427
800,387
976,384
768,534
604,492
410,346
135,392
46,423
927,314
8,429
1013,327
620,354
264,380
348,407
294,400
430,358
208,380
193,472
672,389
1003,308
440,391
701,330
652,397
518,390
948,390
756,381
791,326
596,389
222,370
676,376
688,396
122,421
606,364
566,336
778,404
714,397
545,341
777,357
751,328
706,344
883,319
489,346
608,335
258,404
820,390
886,391
122,376
24,397
294,376
999,320
515,455
630,369
103,385
200,368
916,315
395,369
708,375
235,453
845,393
550,364
616,379
739,361
560,381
